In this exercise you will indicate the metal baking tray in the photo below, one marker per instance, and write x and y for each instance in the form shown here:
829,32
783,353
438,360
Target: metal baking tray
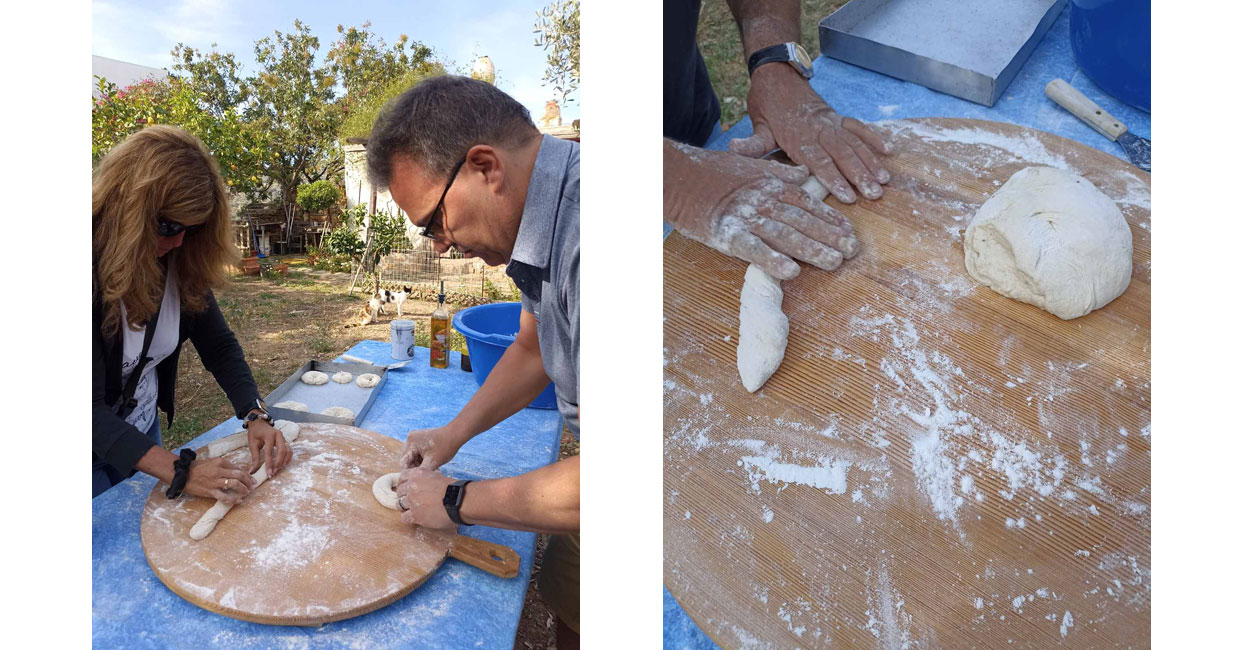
317,398
971,49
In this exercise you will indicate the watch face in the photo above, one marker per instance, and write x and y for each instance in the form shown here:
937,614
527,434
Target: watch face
802,57
451,495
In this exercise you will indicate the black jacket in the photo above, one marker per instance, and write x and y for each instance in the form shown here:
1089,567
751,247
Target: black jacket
120,444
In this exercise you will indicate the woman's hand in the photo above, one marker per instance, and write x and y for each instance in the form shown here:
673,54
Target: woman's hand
218,479
267,445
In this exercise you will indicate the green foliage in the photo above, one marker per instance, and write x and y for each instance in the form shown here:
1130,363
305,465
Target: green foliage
121,112
362,115
558,32
293,100
344,241
500,293
364,63
318,196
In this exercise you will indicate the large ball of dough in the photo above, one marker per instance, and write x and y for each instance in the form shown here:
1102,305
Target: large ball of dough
1049,238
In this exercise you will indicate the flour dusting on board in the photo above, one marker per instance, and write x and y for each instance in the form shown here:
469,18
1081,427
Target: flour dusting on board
827,474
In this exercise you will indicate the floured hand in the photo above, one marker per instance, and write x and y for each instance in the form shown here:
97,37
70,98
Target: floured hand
752,209
840,151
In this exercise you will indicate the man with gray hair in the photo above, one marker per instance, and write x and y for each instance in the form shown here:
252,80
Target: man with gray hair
464,161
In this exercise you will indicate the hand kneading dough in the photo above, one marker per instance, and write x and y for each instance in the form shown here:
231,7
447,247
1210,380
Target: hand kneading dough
1049,238
291,405
216,512
343,377
764,329
338,412
368,380
314,378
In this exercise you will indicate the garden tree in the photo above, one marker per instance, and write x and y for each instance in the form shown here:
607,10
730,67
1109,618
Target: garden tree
119,112
292,99
558,32
214,76
318,196
362,115
364,63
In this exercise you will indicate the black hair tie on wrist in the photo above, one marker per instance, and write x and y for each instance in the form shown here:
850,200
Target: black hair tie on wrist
181,475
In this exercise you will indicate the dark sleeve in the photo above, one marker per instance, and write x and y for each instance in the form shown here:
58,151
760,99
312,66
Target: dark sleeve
222,357
116,442
690,108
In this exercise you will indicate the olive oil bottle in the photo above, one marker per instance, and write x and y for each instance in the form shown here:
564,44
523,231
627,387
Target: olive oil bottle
441,333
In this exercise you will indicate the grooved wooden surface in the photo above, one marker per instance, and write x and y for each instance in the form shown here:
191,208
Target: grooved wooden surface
933,465
309,546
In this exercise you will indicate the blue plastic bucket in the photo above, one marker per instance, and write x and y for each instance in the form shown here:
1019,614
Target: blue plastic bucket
488,331
1111,42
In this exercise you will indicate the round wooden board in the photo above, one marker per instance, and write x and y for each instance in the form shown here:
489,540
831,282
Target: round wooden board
933,465
309,546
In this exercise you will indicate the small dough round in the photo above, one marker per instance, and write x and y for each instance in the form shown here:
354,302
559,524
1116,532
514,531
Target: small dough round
314,378
342,377
292,405
338,412
368,380
1049,238
385,491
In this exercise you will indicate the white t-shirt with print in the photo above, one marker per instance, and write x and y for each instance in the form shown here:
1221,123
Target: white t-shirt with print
163,344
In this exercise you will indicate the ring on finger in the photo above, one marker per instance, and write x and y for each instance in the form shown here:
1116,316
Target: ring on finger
226,481
400,501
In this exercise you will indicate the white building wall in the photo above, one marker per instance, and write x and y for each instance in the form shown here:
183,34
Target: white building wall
120,73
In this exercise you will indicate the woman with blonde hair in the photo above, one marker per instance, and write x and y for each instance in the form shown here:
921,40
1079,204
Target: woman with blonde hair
162,242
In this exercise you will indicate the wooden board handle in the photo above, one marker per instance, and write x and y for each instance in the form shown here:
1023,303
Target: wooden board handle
1079,105
493,558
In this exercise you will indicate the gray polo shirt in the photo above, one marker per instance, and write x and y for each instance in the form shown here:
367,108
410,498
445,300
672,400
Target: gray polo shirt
544,266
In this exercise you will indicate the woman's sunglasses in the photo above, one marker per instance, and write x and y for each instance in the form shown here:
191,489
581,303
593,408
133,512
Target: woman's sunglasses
167,228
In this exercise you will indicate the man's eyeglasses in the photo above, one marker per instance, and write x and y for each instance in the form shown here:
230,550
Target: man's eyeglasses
166,228
429,228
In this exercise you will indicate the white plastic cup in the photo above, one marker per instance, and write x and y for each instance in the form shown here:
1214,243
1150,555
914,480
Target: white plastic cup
402,340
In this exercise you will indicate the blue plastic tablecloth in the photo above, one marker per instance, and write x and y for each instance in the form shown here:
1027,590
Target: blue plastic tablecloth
458,607
870,96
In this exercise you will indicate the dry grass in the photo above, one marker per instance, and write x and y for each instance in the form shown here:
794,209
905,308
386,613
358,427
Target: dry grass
281,323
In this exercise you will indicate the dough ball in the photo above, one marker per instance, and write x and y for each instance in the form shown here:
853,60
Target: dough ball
292,405
342,377
338,412
1049,238
368,380
384,490
314,378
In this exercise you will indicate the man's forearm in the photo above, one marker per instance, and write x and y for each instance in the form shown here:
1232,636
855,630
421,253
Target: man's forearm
766,22
517,378
546,500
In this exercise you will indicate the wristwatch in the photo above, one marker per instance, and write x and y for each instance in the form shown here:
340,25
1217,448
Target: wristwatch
791,53
452,498
260,406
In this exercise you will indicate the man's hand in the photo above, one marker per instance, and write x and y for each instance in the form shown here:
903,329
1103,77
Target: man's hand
421,490
752,209
430,448
267,445
218,479
788,114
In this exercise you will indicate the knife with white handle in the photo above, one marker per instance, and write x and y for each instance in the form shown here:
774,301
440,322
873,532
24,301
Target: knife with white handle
1136,148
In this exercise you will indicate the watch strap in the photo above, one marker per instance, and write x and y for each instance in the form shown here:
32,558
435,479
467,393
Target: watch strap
778,53
453,496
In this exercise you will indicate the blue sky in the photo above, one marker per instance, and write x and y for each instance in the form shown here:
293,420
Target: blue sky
144,32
